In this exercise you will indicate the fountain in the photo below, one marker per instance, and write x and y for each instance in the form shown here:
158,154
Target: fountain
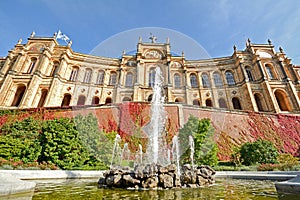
115,149
154,168
192,147
156,150
175,152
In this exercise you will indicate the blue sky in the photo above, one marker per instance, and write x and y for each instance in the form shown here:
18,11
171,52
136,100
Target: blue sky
216,25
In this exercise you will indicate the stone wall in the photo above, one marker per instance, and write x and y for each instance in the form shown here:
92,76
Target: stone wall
231,129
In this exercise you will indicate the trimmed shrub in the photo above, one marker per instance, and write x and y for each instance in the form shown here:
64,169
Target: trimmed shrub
260,151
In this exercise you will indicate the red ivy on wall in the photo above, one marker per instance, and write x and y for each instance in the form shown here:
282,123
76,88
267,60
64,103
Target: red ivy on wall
282,130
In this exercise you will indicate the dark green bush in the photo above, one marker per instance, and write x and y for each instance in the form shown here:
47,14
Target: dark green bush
260,151
56,142
20,140
61,144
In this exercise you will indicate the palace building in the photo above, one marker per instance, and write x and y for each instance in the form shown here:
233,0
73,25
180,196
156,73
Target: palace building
43,73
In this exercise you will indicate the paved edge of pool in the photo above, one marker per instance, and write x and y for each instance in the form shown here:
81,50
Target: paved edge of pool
20,181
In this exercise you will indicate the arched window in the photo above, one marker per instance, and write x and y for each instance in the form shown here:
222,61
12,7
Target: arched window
113,78
193,80
74,73
179,100
177,81
19,95
129,80
205,80
269,70
151,77
66,100
236,103
87,76
126,99
108,100
100,78
55,68
208,102
249,74
229,78
217,79
95,100
258,102
196,102
31,66
43,98
222,103
150,97
81,100
282,100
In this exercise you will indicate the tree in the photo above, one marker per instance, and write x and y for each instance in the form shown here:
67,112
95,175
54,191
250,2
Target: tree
96,142
205,149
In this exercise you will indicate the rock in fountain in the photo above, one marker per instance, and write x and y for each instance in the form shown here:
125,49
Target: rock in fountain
154,168
154,176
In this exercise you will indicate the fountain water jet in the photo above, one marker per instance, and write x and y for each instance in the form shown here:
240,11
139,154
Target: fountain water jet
115,149
192,148
156,150
175,152
125,153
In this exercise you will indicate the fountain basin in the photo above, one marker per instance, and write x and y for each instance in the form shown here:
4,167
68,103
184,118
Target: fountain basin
154,176
11,185
291,186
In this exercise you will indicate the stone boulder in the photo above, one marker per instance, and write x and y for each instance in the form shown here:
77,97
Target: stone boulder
154,176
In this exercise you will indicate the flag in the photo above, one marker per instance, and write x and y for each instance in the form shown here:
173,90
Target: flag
62,36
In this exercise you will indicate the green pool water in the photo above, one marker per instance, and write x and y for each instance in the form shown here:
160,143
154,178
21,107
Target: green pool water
222,189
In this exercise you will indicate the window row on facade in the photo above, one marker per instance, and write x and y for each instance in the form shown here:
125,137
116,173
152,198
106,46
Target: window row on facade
207,82
282,100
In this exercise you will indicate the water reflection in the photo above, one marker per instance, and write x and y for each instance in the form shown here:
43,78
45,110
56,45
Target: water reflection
223,189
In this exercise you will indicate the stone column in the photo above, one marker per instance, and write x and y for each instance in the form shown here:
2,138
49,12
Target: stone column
44,62
270,94
10,96
6,65
283,70
30,92
262,72
294,73
106,78
187,85
137,73
245,76
294,96
19,62
121,77
63,67
169,73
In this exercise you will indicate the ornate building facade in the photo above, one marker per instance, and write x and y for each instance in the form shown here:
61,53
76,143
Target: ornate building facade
43,73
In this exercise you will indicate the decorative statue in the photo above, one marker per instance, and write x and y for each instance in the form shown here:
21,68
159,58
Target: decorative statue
32,34
152,38
70,43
